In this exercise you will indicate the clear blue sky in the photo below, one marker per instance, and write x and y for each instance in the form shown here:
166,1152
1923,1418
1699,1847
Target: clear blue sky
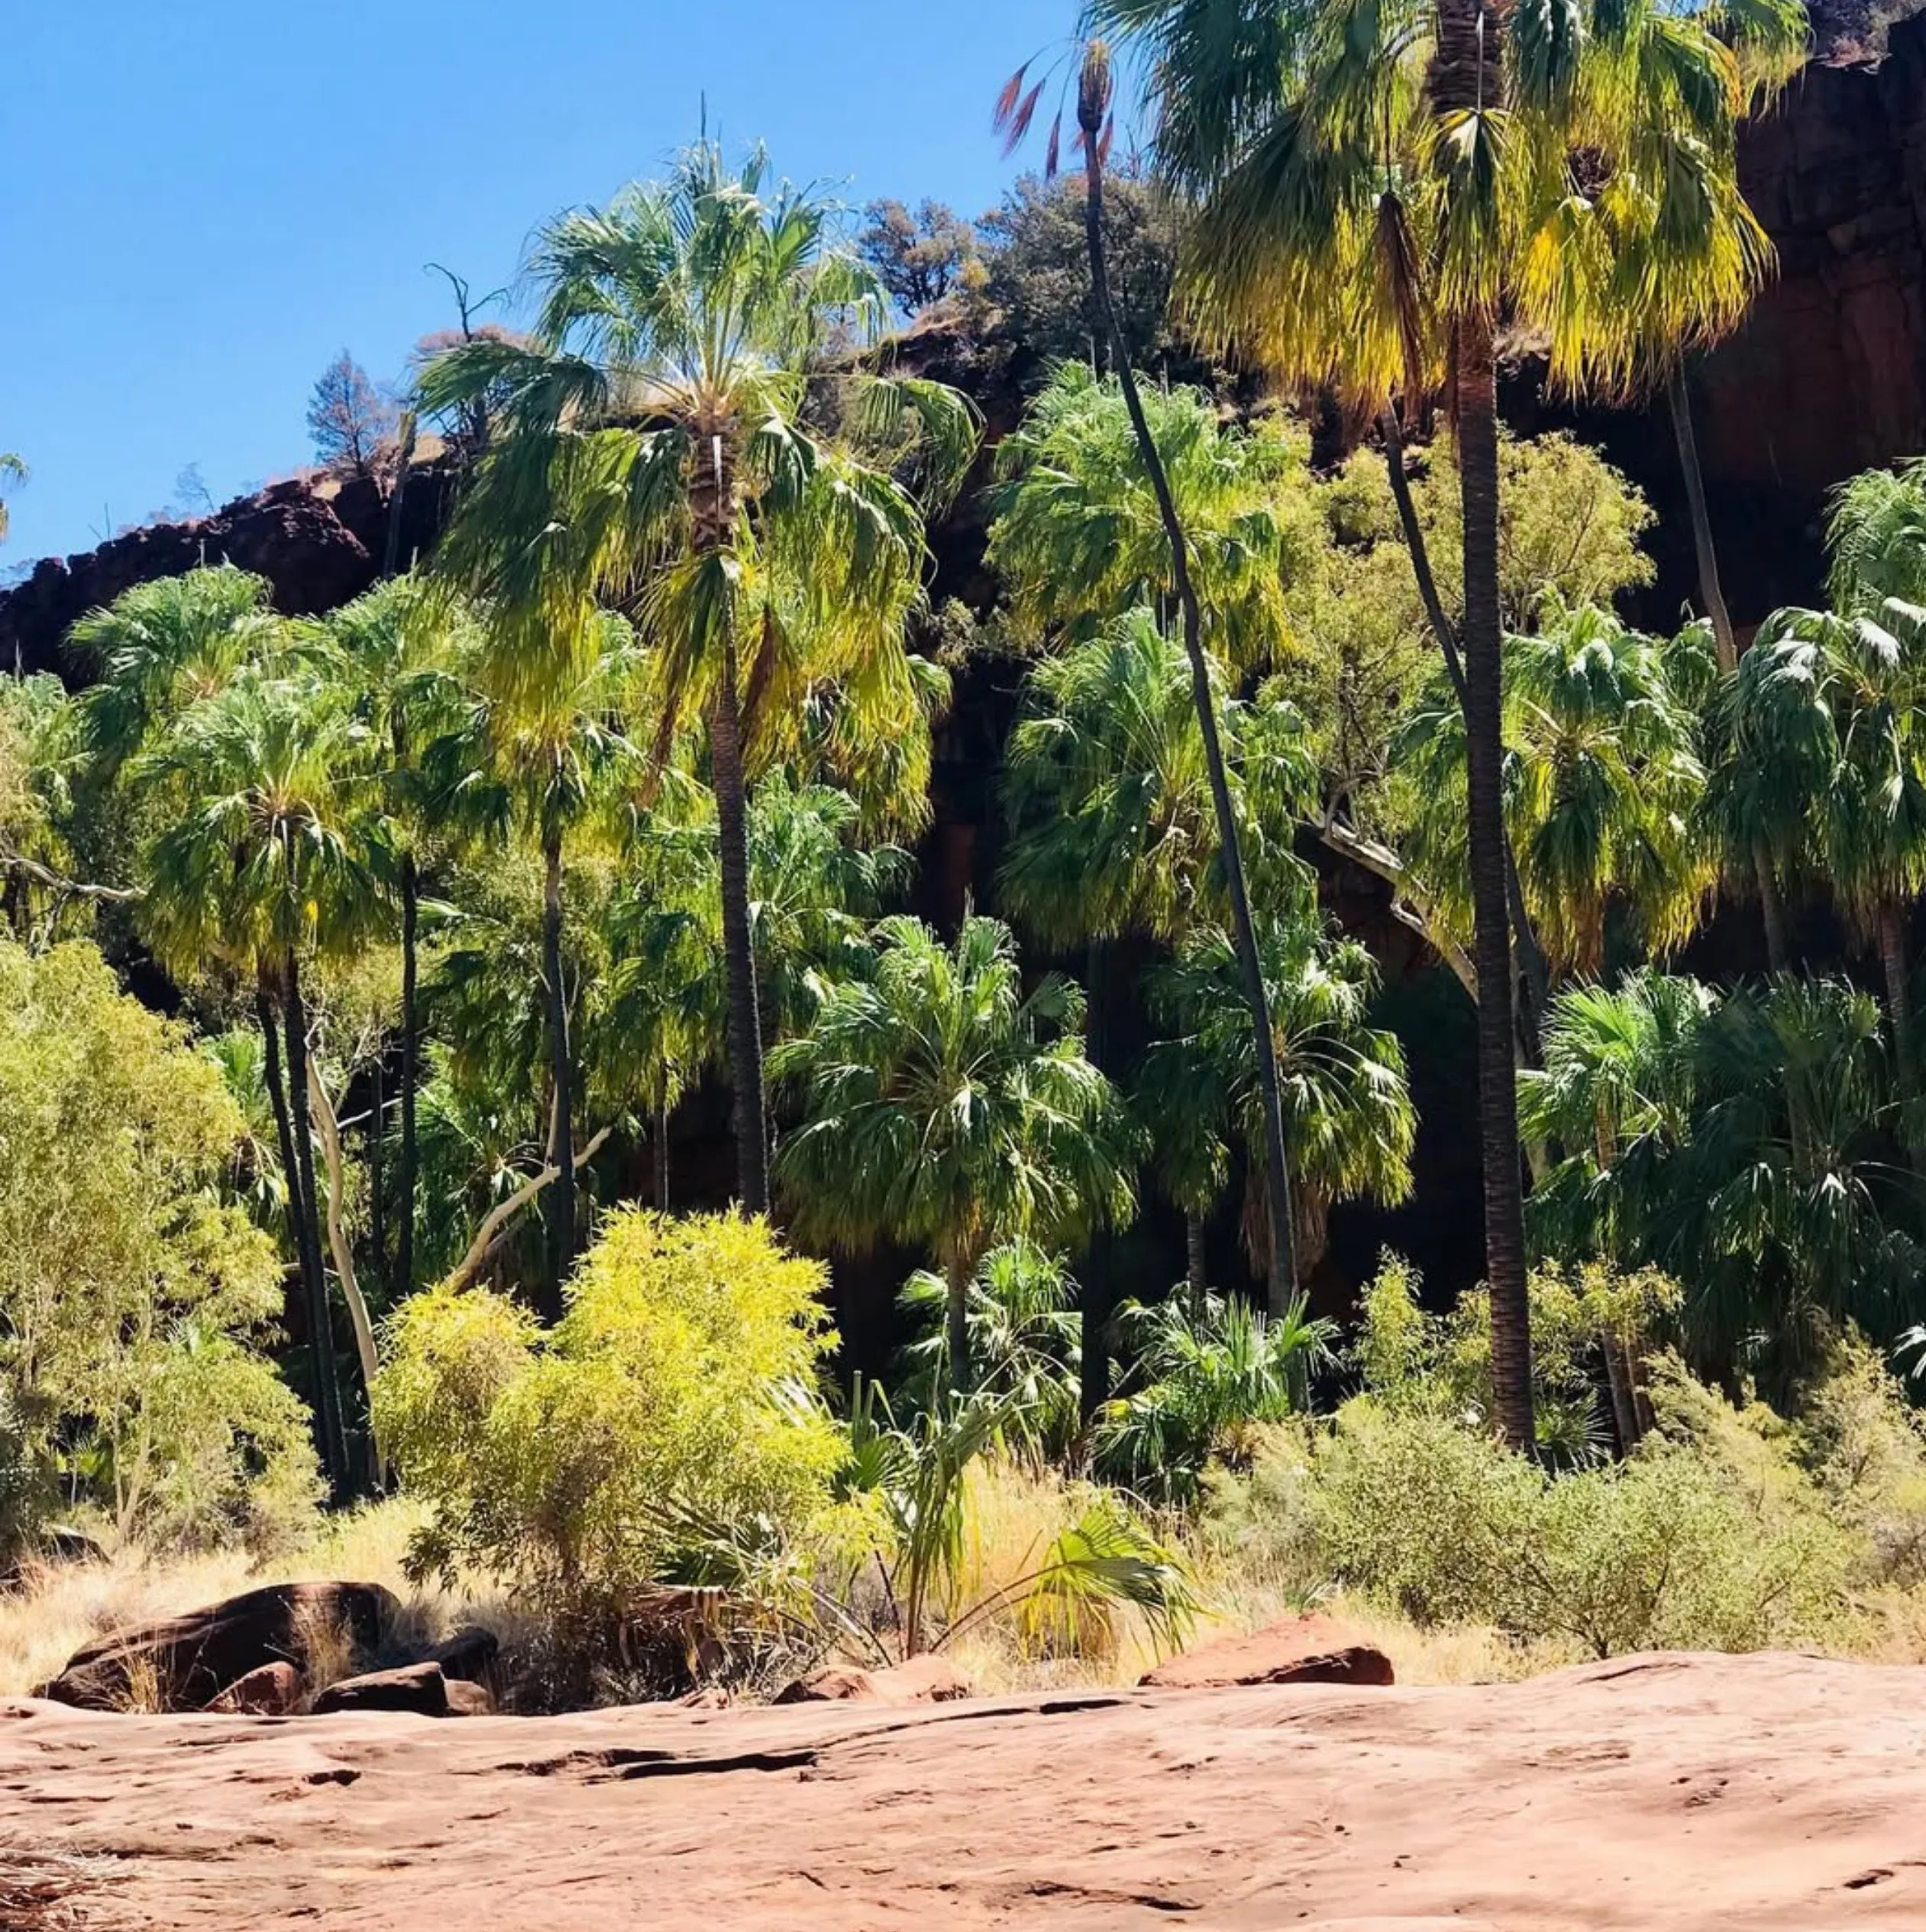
204,200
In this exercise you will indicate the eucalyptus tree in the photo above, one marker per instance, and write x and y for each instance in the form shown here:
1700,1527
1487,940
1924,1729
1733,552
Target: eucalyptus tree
664,446
1378,195
1602,782
550,763
1349,1125
944,1105
275,849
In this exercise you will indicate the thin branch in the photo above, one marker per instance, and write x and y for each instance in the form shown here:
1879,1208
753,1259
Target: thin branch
504,1211
40,875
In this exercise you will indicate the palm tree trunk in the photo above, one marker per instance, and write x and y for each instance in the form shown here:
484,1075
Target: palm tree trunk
320,1320
1898,999
404,1279
1504,1236
1535,1001
561,1199
377,1203
1772,910
1710,591
956,1278
1092,104
1618,1379
1094,1313
1197,1260
661,1152
738,953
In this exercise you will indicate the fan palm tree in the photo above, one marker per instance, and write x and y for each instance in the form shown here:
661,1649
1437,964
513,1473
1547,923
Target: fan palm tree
403,650
1114,831
1349,1122
658,451
943,1106
275,850
546,763
162,646
1089,533
1601,786
1078,539
1380,194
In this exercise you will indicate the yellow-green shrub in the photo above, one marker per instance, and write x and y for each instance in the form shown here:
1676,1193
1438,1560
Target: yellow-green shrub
676,1384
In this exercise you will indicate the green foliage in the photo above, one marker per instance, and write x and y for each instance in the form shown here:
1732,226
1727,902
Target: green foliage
1205,1376
1067,1591
946,1107
1078,539
1743,1144
679,1380
1026,1344
1105,788
136,1299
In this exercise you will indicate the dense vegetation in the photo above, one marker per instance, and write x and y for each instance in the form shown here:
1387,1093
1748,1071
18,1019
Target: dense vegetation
470,904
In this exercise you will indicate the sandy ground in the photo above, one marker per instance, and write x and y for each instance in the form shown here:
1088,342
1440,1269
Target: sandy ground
1680,1792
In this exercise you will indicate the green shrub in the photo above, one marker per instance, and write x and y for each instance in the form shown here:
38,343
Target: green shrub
136,1300
677,1386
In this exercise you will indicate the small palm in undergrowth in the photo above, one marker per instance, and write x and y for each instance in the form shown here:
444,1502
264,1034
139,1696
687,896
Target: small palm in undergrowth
1069,1591
1208,1372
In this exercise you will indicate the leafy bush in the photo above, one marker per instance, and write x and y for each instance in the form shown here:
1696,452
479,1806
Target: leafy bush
136,1299
677,1385
1205,1372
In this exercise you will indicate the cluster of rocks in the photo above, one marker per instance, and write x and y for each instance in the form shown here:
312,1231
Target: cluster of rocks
279,1652
275,1652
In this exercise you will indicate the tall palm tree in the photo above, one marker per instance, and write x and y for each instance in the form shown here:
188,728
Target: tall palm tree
1380,194
944,1105
1602,782
658,450
547,764
275,849
403,650
1349,1121
1113,831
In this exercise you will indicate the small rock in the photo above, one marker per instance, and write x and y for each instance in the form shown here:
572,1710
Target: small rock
419,1688
468,1655
1299,1650
919,1680
711,1697
468,1700
272,1691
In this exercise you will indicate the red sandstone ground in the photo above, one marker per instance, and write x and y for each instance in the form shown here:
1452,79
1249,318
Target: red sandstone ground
1660,1792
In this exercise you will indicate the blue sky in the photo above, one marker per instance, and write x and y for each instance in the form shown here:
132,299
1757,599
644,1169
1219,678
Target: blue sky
205,200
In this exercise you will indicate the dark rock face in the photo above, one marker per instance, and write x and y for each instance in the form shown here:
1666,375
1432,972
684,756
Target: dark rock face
418,1687
318,543
184,1662
1828,376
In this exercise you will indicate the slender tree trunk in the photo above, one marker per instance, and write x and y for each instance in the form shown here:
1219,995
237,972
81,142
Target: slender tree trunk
1535,989
1898,999
1618,1378
956,1280
1504,1240
1095,1311
1092,105
561,1200
404,1278
327,1124
1772,910
1710,594
397,495
738,951
377,1176
661,1152
1197,1260
295,1024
